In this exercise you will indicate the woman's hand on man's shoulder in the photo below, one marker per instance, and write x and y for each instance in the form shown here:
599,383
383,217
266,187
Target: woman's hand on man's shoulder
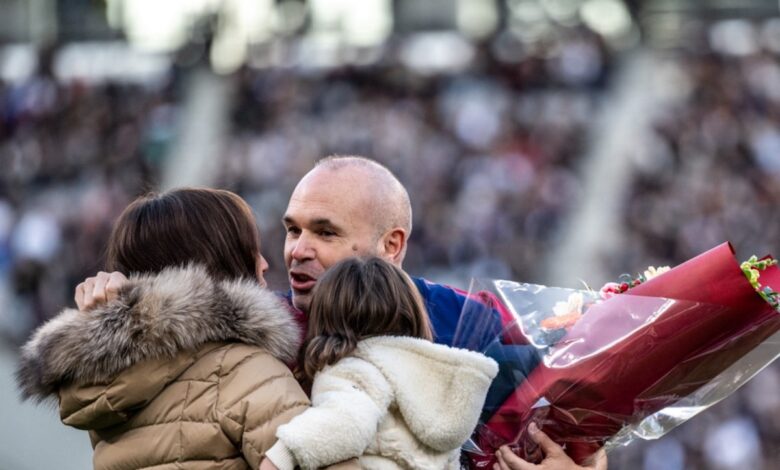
99,289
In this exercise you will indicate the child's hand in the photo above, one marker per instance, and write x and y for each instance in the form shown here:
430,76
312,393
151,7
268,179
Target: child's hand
267,465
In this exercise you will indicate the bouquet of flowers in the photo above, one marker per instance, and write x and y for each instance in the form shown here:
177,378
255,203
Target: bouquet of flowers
633,360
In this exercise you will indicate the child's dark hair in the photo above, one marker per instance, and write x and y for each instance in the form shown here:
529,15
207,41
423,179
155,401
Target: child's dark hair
357,299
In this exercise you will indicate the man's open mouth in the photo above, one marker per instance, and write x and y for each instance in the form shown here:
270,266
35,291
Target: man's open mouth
301,282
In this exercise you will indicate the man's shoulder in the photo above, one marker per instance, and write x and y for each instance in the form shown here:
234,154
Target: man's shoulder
440,294
441,299
449,299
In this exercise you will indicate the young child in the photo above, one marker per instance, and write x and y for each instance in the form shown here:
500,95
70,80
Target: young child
382,391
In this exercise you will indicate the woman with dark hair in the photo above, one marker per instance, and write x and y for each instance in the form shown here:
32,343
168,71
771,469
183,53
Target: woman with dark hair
186,367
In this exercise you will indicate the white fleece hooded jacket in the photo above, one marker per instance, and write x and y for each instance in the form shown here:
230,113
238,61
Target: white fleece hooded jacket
396,402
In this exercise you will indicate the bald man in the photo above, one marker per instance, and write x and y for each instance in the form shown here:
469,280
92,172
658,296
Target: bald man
352,206
345,206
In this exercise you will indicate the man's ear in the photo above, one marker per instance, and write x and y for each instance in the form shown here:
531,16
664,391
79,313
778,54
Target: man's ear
392,245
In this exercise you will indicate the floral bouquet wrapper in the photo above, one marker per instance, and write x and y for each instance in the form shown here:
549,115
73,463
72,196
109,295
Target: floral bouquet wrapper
592,369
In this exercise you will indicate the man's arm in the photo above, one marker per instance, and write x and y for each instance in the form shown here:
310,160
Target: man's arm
458,318
485,314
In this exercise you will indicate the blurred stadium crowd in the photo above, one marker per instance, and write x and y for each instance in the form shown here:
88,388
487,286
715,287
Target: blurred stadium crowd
714,163
491,157
73,155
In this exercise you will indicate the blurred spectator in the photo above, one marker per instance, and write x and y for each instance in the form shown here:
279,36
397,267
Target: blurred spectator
733,444
666,454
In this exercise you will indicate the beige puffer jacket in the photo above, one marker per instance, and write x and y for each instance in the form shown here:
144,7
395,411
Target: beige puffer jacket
181,372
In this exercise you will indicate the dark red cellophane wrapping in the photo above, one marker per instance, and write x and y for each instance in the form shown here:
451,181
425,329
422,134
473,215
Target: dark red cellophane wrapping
635,354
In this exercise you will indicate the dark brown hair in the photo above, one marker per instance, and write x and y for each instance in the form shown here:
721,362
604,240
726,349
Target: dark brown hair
212,227
357,299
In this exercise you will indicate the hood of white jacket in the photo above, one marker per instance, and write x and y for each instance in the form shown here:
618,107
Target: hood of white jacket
439,390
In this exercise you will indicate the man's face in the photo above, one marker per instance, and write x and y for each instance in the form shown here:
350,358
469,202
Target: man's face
327,220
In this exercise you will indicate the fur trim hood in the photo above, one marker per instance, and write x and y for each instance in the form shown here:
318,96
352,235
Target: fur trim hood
155,317
436,387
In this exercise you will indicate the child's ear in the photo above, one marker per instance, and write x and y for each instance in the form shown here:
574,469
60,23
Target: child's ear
392,246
